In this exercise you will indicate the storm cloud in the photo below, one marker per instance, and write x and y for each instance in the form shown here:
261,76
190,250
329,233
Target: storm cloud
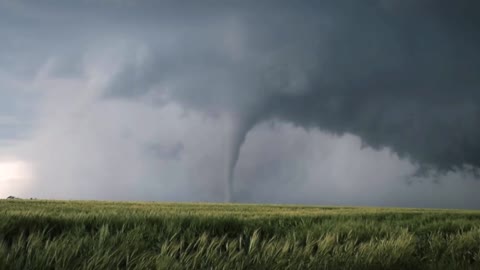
401,76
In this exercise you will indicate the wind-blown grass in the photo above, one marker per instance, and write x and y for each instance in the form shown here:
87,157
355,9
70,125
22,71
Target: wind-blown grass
107,235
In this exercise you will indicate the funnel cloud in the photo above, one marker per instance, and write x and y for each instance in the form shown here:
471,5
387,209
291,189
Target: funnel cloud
241,125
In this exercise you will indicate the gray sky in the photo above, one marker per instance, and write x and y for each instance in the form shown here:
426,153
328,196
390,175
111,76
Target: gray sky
318,102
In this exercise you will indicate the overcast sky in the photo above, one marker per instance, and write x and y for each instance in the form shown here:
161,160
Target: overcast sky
328,102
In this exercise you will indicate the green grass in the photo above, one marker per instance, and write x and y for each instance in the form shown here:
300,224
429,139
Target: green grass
107,235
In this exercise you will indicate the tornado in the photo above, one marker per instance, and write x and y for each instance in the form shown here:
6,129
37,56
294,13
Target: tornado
241,124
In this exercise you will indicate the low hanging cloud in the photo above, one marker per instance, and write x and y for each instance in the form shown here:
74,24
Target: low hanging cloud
399,75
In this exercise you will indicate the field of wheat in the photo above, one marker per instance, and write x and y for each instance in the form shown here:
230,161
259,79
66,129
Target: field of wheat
115,235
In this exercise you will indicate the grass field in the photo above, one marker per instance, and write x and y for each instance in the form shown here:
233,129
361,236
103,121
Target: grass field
106,235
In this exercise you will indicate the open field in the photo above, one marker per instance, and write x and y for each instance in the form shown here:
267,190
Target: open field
106,235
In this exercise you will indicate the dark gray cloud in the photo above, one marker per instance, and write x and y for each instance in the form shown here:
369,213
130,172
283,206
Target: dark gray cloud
400,75
406,81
